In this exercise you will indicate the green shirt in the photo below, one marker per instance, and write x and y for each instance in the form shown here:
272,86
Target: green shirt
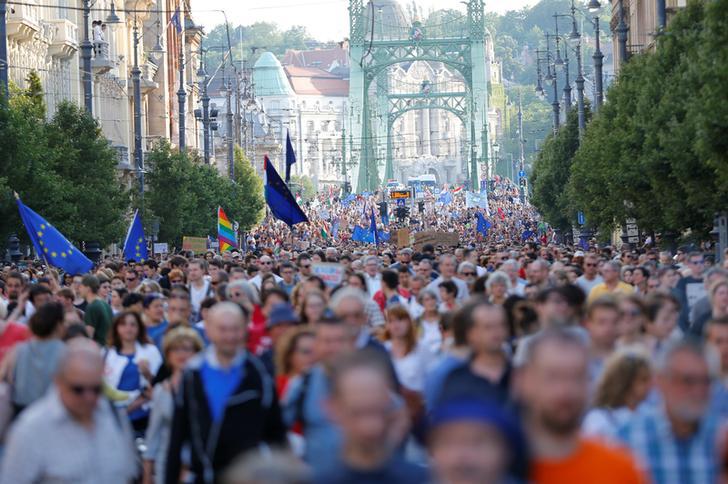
98,316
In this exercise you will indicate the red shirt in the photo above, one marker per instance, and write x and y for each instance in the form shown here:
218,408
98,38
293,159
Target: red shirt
256,331
13,334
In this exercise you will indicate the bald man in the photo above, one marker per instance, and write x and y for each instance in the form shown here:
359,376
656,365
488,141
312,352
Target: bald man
226,399
72,434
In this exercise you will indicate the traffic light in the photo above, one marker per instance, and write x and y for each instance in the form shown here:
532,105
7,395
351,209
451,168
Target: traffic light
402,212
421,207
347,188
383,209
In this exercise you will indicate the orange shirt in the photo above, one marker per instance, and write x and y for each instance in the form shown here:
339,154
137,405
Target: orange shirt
593,462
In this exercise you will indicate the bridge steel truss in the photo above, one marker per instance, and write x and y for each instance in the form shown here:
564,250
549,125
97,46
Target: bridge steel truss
371,120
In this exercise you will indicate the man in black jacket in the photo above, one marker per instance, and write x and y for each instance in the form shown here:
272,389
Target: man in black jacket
226,403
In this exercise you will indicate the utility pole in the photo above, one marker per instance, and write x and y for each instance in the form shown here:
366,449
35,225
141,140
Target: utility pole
522,154
598,58
238,133
205,120
181,94
136,82
3,49
622,31
86,48
230,135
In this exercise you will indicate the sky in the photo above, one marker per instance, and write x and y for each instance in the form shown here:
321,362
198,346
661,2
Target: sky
325,20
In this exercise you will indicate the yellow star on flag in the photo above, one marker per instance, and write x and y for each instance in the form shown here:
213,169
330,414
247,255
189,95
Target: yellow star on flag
140,240
40,234
45,250
63,254
53,254
42,226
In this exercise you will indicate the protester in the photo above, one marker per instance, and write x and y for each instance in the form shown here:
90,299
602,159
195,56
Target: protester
623,386
677,439
611,283
294,356
553,386
97,314
72,434
31,365
178,346
210,407
373,422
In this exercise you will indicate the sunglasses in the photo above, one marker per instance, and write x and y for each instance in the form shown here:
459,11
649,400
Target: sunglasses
306,266
590,265
80,390
468,273
131,279
176,281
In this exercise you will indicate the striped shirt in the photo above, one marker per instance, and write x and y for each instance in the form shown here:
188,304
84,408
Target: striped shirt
669,459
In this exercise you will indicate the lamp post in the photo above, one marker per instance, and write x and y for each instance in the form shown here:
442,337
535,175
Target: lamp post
575,39
86,48
553,78
594,8
204,80
565,62
137,86
521,158
181,94
3,49
622,31
230,151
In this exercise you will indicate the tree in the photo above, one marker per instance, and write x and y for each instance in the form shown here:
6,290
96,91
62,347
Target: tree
550,174
306,189
198,190
248,193
95,199
646,156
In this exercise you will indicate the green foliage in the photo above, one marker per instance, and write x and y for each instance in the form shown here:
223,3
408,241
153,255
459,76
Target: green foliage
248,192
304,186
61,168
550,174
190,208
252,40
655,152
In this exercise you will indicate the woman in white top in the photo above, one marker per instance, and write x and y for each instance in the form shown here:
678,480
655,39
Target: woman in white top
131,363
410,359
428,323
624,385
179,345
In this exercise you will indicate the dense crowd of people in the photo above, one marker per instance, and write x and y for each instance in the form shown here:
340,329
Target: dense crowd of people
506,359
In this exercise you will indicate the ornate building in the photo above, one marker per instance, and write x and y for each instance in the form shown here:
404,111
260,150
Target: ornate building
45,36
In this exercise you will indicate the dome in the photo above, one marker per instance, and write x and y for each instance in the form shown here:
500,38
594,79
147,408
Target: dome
269,78
390,22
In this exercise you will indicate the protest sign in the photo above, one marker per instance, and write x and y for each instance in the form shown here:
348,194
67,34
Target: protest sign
436,238
195,244
332,274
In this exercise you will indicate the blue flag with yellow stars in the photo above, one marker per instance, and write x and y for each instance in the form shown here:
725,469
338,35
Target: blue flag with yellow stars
52,245
281,202
135,245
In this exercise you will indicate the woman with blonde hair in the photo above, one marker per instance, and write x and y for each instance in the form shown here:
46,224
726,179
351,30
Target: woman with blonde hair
624,384
178,346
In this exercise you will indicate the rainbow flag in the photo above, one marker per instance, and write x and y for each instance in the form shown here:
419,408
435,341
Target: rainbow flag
225,233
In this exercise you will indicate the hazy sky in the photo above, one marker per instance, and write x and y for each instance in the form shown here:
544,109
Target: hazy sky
324,19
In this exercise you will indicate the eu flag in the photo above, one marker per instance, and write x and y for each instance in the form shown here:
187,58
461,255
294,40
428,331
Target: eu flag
290,156
52,245
279,198
373,228
135,245
483,224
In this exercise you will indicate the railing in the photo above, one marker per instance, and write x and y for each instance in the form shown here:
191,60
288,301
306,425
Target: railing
65,38
23,21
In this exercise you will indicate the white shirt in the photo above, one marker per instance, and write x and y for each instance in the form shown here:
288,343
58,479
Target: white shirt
198,295
463,292
587,285
412,368
604,422
431,337
48,445
258,280
374,284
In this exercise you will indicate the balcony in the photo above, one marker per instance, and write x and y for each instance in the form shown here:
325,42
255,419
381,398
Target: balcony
101,62
22,21
65,38
149,70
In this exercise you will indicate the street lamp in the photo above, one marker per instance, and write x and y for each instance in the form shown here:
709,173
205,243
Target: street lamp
136,83
594,6
203,79
112,18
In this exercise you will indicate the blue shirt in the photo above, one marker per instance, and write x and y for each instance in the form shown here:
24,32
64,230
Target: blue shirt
219,384
156,333
130,381
669,459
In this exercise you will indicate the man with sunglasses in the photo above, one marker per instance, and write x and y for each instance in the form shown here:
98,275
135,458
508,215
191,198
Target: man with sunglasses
265,263
72,434
590,277
690,289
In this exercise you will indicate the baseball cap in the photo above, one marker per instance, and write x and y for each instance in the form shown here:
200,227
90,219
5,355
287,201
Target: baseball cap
282,314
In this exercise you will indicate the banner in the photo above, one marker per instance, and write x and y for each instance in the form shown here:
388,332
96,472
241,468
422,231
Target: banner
403,238
332,274
447,239
195,244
